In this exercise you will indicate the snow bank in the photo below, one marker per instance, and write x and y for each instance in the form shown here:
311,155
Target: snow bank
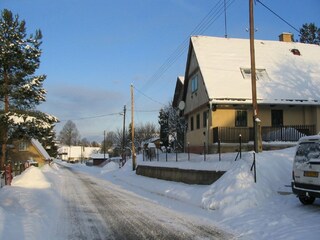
235,202
236,190
29,206
109,167
31,178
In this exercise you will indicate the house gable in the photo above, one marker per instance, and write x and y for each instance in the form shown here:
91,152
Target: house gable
195,92
178,92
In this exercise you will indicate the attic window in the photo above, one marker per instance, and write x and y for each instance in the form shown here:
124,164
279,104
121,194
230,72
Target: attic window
194,84
261,73
295,52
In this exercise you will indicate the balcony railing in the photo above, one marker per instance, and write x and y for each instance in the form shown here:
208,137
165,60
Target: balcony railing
290,133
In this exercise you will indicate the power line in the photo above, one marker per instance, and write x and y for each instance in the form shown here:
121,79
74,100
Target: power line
98,116
214,13
278,15
204,24
148,97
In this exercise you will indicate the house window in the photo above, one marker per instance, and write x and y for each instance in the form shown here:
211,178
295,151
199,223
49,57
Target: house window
198,121
194,84
261,74
191,124
241,118
276,118
205,117
23,146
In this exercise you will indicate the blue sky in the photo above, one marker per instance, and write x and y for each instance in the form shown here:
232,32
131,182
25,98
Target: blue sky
94,49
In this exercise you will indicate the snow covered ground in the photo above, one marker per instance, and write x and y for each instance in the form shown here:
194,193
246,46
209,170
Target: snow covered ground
262,210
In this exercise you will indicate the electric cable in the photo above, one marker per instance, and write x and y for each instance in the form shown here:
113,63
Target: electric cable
278,15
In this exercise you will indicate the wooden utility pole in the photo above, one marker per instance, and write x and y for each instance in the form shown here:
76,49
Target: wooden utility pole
133,151
124,133
256,120
104,145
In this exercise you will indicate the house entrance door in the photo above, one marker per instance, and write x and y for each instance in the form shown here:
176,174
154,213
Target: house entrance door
277,118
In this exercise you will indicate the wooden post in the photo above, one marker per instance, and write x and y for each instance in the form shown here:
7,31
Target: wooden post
124,134
256,120
132,132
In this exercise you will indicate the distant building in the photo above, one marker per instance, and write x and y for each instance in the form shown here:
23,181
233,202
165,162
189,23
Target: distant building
99,158
76,153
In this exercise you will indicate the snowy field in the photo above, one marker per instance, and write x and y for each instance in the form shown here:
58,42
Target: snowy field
262,210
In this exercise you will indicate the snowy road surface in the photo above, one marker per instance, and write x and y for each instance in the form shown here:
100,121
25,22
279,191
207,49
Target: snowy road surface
97,209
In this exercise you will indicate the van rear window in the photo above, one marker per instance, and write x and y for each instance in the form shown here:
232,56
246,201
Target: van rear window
308,150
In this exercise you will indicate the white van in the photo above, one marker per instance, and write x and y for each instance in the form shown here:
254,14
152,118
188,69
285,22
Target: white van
306,169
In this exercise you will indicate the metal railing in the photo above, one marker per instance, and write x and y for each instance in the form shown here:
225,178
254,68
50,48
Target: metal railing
290,133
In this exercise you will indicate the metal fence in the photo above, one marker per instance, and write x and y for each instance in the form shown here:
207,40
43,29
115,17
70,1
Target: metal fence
289,133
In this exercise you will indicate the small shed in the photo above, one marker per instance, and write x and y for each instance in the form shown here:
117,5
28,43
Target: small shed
99,158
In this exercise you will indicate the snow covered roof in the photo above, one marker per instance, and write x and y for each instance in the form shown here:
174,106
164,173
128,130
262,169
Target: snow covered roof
284,77
40,148
99,155
178,94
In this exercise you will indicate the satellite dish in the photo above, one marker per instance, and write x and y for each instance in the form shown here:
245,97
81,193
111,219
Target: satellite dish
181,105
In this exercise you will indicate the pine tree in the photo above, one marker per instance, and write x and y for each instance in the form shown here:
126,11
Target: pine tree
164,126
171,124
310,33
20,90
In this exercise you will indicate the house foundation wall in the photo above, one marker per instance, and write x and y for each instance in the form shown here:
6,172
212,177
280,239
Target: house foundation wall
180,175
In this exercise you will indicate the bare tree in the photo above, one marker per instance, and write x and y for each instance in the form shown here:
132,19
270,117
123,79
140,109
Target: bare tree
145,131
95,144
110,140
85,142
69,134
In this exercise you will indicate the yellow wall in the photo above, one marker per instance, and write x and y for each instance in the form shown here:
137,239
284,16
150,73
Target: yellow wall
298,115
198,136
31,153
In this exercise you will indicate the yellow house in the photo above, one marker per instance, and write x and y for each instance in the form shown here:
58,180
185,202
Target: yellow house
24,150
217,93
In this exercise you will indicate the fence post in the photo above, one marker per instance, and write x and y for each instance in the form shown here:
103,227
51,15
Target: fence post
188,151
150,154
254,167
219,149
204,151
157,154
166,154
143,155
240,144
176,155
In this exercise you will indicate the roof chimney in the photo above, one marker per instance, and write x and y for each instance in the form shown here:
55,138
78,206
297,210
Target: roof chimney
286,37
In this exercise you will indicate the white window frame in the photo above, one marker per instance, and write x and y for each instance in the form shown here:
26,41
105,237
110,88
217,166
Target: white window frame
23,146
261,73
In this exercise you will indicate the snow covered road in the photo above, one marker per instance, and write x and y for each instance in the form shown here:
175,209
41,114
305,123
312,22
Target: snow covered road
97,209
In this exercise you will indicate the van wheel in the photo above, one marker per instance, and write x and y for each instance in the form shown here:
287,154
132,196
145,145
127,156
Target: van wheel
306,200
